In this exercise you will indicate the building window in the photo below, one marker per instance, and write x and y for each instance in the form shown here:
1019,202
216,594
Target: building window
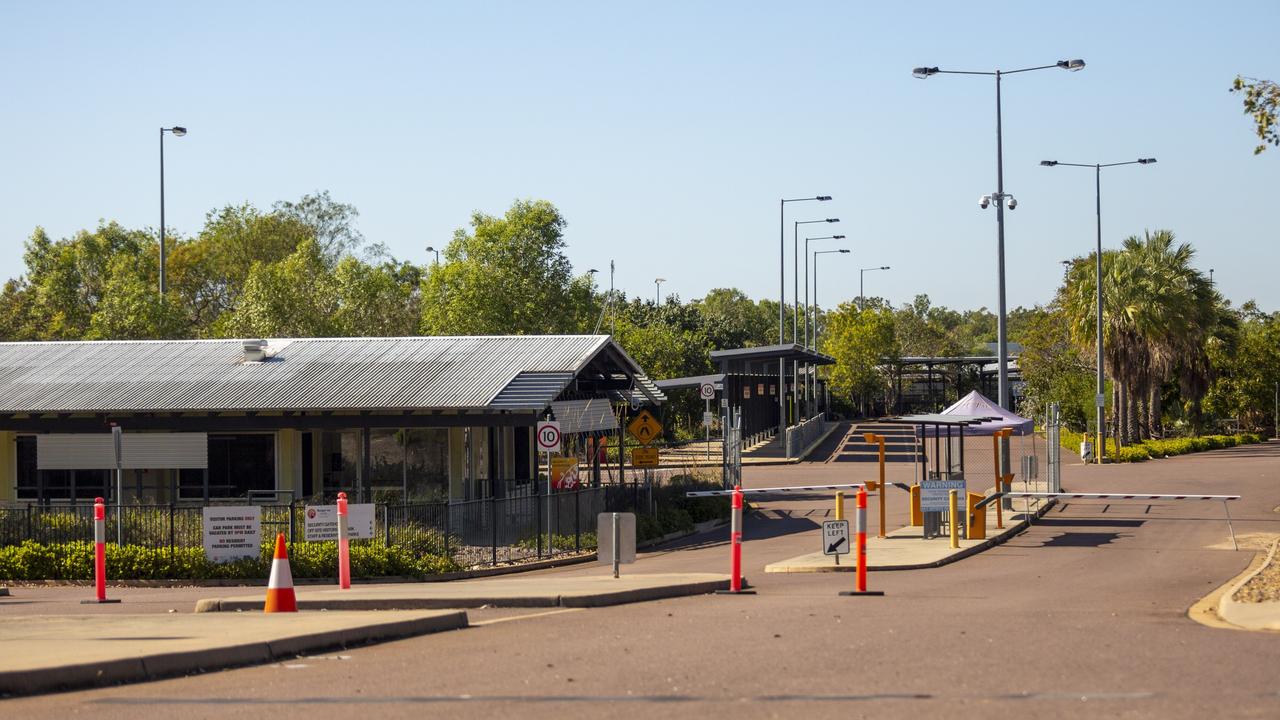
57,484
238,464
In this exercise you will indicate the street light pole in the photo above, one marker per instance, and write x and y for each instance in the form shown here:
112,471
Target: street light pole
177,131
1000,197
782,309
657,290
861,273
431,249
810,385
1100,399
815,300
795,301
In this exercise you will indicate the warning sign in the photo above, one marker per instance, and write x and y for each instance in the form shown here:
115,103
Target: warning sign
645,427
321,523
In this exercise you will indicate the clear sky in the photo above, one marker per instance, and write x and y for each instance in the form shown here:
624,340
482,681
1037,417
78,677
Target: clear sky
665,132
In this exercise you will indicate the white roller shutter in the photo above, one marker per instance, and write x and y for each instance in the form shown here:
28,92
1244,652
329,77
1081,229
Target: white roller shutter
140,451
580,416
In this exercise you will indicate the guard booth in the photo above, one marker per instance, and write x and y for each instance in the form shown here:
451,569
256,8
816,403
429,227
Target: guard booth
940,440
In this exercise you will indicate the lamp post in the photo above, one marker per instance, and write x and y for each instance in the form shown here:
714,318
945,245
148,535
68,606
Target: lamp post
782,307
809,386
1000,198
861,273
177,131
431,249
815,298
1100,399
657,285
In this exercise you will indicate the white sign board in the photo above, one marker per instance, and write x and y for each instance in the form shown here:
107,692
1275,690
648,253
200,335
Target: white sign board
707,391
232,533
548,433
708,418
626,538
835,537
935,495
321,522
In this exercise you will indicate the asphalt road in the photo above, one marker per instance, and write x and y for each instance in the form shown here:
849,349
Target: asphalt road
1083,615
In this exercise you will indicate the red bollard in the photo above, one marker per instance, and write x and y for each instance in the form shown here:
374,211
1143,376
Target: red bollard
860,527
735,547
99,553
344,545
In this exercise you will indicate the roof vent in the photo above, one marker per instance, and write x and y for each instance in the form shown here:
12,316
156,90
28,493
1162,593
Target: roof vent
255,350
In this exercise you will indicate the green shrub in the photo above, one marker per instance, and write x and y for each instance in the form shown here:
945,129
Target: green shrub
1168,447
74,561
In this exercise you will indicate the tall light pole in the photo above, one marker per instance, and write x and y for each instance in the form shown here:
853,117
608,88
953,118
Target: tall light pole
816,253
810,385
177,131
657,292
1099,400
782,307
431,249
862,272
795,309
1000,198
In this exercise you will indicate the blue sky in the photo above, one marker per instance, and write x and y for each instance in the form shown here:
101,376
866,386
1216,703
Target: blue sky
665,132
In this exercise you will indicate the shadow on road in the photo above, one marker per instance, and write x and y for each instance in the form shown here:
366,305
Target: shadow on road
1084,539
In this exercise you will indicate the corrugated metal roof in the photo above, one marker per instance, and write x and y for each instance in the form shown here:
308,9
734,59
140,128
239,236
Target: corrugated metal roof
531,391
301,374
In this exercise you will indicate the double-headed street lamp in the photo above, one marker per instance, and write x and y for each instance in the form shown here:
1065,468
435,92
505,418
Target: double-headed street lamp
807,306
861,273
782,306
1100,400
177,131
1000,198
816,253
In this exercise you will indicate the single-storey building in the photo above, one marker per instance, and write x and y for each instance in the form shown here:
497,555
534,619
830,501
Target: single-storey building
409,417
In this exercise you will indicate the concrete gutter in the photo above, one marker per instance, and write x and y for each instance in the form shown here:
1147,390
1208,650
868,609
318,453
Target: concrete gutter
1251,615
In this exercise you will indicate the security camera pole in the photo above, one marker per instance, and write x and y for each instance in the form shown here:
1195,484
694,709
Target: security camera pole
999,198
1100,401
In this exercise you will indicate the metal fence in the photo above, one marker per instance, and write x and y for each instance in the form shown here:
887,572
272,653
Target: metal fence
487,531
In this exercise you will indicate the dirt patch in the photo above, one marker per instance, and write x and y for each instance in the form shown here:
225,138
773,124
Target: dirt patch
1263,587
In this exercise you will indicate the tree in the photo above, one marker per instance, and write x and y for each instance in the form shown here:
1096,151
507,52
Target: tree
859,340
730,319
1054,369
1262,103
508,275
332,223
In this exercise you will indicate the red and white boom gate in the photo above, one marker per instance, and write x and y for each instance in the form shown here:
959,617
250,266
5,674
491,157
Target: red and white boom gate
735,524
1224,499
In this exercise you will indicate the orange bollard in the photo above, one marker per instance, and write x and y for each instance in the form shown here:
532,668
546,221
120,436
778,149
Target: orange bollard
860,527
99,553
735,547
344,545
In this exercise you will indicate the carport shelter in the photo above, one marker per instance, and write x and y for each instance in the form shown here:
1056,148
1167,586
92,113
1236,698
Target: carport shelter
418,417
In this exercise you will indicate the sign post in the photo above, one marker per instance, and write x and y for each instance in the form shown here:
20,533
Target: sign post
548,432
115,444
707,391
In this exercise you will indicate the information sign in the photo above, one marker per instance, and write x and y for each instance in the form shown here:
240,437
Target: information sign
708,418
707,391
232,532
644,457
320,522
564,473
626,538
835,537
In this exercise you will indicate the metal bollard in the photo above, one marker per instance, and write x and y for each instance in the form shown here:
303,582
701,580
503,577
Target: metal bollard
617,539
955,526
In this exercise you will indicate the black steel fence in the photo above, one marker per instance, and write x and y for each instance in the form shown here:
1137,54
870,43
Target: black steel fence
490,531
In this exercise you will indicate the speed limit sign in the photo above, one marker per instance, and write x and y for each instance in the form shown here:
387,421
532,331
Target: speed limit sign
548,432
707,391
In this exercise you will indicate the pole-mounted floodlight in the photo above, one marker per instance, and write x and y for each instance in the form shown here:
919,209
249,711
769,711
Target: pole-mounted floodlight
1072,65
176,131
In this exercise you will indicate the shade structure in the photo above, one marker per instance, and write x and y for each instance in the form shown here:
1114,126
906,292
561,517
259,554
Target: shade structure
975,403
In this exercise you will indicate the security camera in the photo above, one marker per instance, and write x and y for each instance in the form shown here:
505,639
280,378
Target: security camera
984,201
1013,204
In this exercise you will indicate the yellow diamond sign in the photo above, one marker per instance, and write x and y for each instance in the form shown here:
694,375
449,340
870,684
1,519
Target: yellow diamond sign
644,427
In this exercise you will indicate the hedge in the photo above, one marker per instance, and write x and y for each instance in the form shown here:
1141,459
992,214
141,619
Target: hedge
1148,449
74,561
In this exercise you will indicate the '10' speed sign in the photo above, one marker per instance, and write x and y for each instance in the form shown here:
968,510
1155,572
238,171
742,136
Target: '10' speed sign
548,432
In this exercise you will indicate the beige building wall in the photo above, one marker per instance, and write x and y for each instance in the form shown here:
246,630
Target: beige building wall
8,466
289,460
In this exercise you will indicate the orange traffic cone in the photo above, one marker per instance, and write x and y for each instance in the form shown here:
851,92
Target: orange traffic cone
280,597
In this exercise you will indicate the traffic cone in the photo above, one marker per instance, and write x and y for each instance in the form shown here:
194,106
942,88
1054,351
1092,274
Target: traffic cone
280,597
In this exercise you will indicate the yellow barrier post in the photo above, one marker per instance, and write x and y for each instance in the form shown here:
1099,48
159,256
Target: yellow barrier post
874,438
839,505
995,446
977,518
955,527
917,517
